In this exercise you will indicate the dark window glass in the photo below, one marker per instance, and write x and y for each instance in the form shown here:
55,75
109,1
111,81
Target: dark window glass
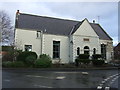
28,47
103,51
56,49
86,50
78,51
94,51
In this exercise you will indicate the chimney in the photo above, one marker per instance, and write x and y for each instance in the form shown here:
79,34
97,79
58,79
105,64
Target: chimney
93,21
16,21
17,13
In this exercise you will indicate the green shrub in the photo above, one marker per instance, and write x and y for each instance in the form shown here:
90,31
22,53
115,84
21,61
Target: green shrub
85,61
22,56
98,62
30,60
7,57
7,48
7,64
13,64
11,55
96,56
44,56
83,56
44,61
18,64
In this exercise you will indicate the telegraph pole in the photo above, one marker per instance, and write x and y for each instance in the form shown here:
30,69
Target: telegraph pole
98,19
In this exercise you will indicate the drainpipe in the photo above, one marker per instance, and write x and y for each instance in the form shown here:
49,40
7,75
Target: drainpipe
69,42
41,35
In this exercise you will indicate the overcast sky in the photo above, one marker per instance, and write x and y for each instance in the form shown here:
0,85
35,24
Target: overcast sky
107,12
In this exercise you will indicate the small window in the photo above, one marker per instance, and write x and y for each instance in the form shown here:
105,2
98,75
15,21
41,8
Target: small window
38,34
28,47
78,51
56,49
86,50
86,39
94,51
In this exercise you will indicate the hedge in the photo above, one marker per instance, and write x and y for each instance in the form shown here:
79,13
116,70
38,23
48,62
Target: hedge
22,56
7,48
83,56
85,61
96,56
98,62
44,61
9,64
30,60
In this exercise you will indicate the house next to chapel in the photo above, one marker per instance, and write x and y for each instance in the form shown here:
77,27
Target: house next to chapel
61,39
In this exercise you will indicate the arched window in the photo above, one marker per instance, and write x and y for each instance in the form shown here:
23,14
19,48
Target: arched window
86,50
94,51
78,51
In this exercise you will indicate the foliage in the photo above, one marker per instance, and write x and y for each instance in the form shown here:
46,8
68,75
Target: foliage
84,61
96,56
98,62
44,56
30,60
7,57
7,48
6,28
11,55
83,56
44,61
7,64
13,64
22,56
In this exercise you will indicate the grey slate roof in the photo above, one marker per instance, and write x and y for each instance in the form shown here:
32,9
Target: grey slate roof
54,25
100,32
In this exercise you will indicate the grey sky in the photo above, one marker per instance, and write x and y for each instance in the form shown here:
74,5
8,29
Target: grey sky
107,12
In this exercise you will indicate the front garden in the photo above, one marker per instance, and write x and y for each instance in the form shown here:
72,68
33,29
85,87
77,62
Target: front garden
25,59
28,59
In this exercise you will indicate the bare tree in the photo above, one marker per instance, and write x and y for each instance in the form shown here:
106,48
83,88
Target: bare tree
6,28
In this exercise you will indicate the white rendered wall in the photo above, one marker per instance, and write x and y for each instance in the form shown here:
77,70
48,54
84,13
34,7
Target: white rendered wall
27,37
64,47
85,31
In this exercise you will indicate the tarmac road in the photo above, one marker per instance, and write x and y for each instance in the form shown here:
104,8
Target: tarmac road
20,78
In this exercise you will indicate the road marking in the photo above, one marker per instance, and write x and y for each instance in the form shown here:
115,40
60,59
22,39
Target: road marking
39,76
68,72
99,87
114,80
113,77
6,80
42,86
85,73
107,88
60,77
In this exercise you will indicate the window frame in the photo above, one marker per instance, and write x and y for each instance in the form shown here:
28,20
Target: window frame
28,47
78,50
56,49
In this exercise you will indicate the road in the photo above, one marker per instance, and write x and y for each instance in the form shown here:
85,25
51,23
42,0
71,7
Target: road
60,79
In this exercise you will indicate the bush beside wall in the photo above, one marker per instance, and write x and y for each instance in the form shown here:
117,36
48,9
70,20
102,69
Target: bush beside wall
22,56
15,64
98,62
96,56
44,61
83,56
